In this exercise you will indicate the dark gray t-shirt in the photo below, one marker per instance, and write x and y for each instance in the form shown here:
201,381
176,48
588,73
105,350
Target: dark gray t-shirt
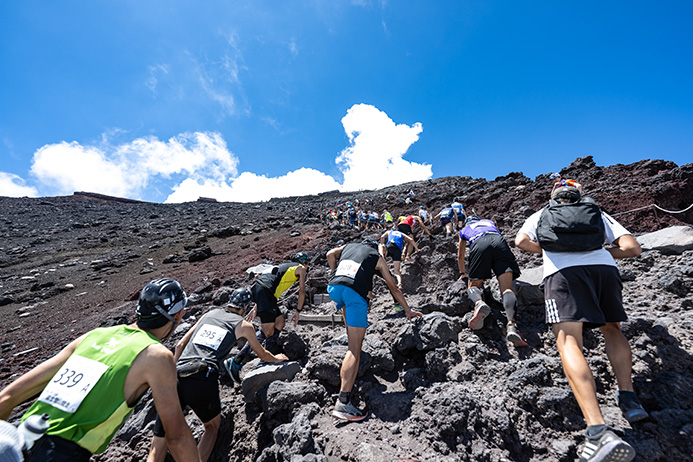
213,338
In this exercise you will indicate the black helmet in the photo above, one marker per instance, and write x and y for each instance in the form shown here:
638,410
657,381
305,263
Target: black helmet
471,219
241,298
566,194
300,257
370,243
159,300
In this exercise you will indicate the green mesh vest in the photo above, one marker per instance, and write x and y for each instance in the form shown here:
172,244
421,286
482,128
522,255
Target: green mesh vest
85,398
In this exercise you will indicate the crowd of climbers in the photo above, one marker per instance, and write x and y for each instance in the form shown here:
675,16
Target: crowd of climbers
90,387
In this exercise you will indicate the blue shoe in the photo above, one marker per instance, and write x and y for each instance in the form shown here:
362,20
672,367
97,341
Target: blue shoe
233,369
630,407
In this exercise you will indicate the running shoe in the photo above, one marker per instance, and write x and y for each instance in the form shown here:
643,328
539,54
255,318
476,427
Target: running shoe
630,407
513,335
233,369
607,448
481,310
348,412
398,307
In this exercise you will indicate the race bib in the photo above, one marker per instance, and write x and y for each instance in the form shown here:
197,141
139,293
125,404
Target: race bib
209,336
73,382
347,268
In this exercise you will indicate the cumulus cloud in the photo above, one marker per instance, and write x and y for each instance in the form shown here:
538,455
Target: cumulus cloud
12,185
377,145
125,170
193,165
249,187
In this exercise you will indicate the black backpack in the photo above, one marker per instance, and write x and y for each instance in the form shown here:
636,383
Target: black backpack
574,227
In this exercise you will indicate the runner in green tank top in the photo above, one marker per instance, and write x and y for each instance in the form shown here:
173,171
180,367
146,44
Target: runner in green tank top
90,387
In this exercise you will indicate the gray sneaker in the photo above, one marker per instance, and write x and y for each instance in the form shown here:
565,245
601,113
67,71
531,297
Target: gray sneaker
348,412
513,335
481,310
607,448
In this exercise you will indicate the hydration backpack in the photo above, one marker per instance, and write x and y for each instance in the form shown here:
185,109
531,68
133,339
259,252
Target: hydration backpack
446,213
573,227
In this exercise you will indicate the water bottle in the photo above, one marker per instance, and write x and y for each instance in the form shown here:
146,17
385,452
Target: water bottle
33,428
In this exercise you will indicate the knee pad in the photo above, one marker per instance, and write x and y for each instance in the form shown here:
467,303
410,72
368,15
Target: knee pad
475,294
509,301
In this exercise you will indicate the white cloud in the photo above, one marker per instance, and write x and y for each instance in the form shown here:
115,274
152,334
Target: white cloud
249,187
12,185
154,73
374,159
199,164
67,167
293,48
125,170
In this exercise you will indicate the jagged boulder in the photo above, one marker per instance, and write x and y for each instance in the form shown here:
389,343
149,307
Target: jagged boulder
428,333
295,442
259,376
673,240
325,365
283,396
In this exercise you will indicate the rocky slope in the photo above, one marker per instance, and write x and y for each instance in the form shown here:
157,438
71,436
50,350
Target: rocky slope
435,390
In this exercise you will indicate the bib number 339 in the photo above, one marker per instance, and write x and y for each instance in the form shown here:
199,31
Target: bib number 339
73,382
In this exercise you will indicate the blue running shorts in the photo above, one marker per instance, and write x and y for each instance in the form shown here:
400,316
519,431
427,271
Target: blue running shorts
356,311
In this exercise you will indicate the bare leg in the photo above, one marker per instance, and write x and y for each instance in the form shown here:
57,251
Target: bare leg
350,365
209,437
577,371
619,353
398,275
158,450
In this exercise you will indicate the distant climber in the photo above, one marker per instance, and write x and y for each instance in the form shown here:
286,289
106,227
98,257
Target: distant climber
459,212
558,181
266,290
488,251
448,219
406,225
424,215
392,244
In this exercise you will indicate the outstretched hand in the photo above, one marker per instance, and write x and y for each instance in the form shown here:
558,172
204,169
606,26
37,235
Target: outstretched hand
295,317
281,357
413,314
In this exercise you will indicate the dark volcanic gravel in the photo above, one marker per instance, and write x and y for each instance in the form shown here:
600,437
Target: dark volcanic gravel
435,390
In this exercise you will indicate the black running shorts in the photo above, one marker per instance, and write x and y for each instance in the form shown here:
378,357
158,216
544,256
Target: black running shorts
56,449
267,307
394,252
199,391
588,294
404,229
491,252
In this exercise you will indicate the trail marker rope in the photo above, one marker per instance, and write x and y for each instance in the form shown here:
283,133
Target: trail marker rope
655,206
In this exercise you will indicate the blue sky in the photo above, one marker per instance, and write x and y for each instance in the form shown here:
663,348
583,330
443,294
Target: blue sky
170,100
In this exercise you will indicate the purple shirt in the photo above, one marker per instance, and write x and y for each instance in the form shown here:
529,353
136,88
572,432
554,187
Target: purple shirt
473,230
